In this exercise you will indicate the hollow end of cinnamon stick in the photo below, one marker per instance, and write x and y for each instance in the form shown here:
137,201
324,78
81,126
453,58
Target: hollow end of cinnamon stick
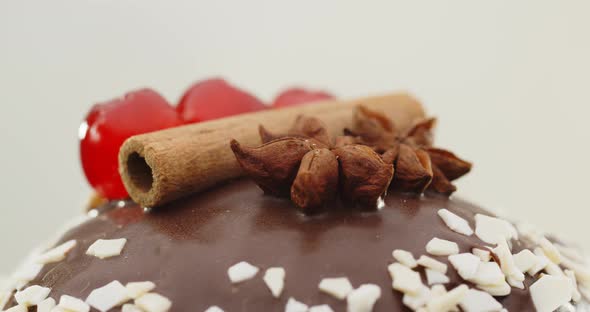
162,166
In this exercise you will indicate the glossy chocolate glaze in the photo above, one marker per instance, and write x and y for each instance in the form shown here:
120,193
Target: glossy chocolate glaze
186,249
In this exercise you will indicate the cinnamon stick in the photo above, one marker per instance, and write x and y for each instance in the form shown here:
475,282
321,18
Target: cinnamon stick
165,165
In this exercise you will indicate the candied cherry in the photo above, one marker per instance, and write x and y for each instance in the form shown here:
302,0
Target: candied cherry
215,98
108,125
297,96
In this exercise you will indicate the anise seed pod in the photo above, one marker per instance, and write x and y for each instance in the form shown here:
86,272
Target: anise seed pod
273,165
390,156
363,174
413,170
375,129
440,184
421,133
345,140
304,127
316,181
452,166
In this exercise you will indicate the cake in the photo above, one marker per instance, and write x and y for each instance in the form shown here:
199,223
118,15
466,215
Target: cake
329,206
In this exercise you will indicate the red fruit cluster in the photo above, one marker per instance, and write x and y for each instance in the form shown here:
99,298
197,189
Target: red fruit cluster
109,124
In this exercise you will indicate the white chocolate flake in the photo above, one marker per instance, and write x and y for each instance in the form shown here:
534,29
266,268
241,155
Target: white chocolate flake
106,248
525,260
46,305
295,306
241,271
433,264
57,253
435,277
449,300
576,295
152,302
479,301
441,247
18,308
214,309
507,264
493,230
500,289
405,257
550,250
417,300
108,296
404,279
488,273
550,292
455,223
137,289
338,287
466,265
321,308
484,255
130,307
275,280
363,298
32,295
70,303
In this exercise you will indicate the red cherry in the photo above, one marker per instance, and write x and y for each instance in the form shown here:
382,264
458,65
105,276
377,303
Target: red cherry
297,96
215,98
108,125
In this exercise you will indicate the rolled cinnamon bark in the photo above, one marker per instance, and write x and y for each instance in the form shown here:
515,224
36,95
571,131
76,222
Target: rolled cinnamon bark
165,165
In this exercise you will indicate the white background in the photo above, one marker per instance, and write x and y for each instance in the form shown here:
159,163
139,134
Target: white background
509,80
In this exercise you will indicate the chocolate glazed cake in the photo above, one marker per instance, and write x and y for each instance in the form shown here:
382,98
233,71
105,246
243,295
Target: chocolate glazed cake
349,209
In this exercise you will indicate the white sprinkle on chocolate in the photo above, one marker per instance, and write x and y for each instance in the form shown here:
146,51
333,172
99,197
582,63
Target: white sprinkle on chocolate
130,307
442,247
404,279
214,309
46,305
550,250
295,306
551,292
321,308
479,301
338,287
405,257
108,296
32,295
137,289
18,308
57,253
152,302
525,260
417,300
500,289
70,303
449,300
455,223
576,295
241,271
507,263
466,264
431,263
484,255
363,298
488,273
106,248
275,280
493,230
435,277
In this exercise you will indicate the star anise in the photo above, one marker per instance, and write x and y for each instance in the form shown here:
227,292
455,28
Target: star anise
418,166
307,165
